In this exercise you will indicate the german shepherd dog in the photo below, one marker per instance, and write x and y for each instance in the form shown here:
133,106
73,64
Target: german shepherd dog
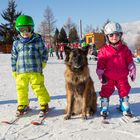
80,92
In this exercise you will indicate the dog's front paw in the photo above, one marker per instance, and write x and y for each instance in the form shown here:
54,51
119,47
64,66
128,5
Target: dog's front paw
67,117
84,117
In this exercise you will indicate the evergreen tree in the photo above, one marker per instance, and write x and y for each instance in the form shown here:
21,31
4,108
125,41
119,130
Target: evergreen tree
63,36
73,35
56,36
10,15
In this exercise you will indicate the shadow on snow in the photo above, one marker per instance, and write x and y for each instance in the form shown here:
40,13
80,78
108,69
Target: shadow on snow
132,91
31,99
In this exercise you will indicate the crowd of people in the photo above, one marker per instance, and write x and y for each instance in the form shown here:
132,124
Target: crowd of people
58,49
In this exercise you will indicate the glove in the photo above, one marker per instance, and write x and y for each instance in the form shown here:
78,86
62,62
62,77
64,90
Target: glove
101,76
14,74
100,73
132,71
44,65
104,79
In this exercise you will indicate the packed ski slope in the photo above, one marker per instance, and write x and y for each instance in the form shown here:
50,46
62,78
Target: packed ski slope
54,126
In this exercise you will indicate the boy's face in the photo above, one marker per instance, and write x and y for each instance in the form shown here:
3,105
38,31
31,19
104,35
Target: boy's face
25,31
26,34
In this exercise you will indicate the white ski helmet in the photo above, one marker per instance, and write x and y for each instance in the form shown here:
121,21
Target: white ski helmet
112,27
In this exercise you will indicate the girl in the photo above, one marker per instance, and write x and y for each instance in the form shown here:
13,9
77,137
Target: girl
115,62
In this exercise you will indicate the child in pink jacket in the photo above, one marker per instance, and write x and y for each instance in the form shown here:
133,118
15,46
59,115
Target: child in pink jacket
115,63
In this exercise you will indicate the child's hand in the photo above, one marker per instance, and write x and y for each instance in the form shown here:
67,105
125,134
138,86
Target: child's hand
132,74
132,71
100,73
14,74
44,65
104,80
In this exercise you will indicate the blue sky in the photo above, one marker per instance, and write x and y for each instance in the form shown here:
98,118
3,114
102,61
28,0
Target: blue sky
94,12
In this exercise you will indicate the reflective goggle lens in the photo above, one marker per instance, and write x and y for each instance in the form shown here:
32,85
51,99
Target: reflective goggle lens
116,34
25,29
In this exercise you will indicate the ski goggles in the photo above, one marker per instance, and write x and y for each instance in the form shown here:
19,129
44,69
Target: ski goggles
25,29
115,34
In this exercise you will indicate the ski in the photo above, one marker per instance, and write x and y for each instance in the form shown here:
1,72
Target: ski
125,118
105,120
132,118
40,119
136,120
129,117
15,119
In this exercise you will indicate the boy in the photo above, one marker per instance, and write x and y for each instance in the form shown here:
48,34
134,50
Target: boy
28,57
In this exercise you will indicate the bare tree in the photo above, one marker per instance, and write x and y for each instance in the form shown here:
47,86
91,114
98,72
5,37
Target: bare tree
98,30
137,45
89,29
47,26
42,29
69,25
106,22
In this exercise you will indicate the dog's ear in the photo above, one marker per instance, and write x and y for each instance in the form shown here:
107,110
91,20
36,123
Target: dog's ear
67,51
85,49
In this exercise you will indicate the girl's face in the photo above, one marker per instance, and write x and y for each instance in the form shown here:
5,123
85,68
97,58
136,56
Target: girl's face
114,38
26,34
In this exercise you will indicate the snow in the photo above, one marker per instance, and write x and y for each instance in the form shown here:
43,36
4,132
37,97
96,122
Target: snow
55,127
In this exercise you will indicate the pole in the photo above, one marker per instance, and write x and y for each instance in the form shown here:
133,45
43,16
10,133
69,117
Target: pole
80,29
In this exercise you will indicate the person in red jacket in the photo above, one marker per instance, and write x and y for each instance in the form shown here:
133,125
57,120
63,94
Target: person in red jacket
115,63
61,49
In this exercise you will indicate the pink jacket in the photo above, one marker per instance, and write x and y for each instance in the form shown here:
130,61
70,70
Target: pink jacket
114,62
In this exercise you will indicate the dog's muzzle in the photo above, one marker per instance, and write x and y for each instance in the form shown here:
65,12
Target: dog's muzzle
77,68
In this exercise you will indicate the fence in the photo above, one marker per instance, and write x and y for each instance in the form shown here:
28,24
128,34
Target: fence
5,48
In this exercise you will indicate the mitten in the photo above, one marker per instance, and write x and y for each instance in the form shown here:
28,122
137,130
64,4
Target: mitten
14,74
132,71
44,65
100,73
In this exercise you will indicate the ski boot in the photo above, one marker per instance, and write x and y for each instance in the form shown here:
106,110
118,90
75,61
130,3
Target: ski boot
124,106
22,109
104,107
43,110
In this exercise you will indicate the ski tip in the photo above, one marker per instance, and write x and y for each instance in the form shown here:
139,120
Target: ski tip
136,121
36,123
105,122
6,122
